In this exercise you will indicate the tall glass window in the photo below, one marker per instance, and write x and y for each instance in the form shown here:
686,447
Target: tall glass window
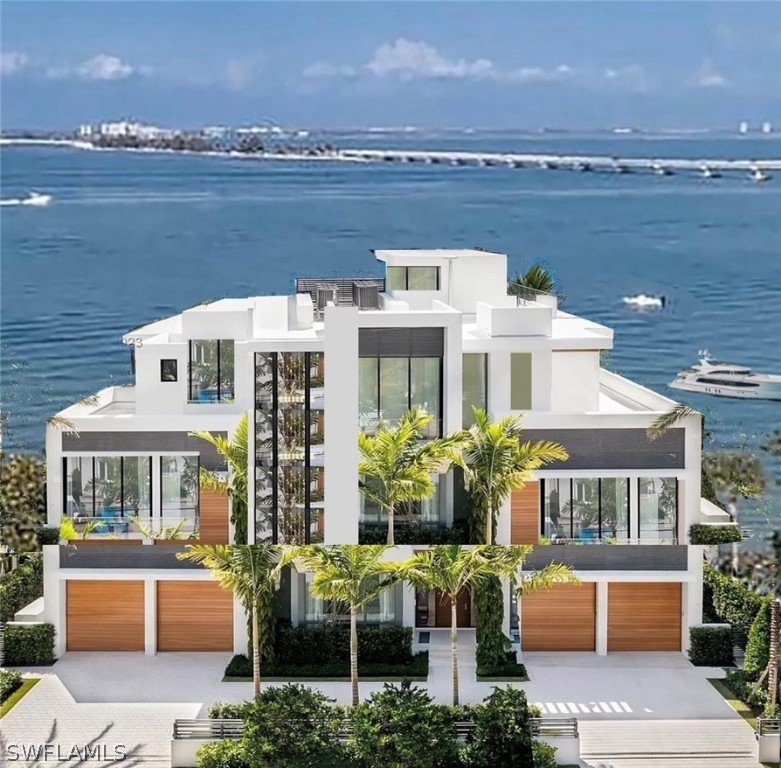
380,610
423,512
520,381
475,386
658,499
424,388
179,488
211,371
396,278
394,388
585,509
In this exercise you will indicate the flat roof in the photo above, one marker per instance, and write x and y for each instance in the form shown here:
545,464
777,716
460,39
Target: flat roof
440,253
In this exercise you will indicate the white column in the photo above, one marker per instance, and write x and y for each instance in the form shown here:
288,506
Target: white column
498,383
342,497
240,633
250,477
150,617
54,478
602,609
691,594
408,605
295,596
506,628
157,485
55,604
634,509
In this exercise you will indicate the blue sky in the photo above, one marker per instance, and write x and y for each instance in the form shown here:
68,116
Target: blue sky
492,65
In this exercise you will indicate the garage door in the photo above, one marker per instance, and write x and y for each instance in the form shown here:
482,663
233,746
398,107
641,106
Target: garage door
644,617
194,616
559,619
105,615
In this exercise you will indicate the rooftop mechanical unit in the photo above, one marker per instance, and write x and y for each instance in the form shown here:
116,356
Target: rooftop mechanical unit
366,295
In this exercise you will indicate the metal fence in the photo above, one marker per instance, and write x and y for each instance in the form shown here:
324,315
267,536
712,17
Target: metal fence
768,726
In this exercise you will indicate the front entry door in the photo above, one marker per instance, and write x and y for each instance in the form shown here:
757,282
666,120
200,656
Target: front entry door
463,609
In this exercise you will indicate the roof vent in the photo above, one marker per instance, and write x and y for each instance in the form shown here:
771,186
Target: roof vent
366,295
325,293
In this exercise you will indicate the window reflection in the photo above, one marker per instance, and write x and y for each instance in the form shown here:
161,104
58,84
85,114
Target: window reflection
658,499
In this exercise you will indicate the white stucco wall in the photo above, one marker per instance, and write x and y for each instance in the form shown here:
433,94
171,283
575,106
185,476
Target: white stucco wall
574,381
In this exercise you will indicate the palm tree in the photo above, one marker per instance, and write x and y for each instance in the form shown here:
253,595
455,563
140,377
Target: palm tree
350,574
252,573
670,419
397,464
450,569
236,455
496,463
538,278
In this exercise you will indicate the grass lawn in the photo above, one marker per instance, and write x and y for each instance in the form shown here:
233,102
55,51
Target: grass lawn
16,696
739,706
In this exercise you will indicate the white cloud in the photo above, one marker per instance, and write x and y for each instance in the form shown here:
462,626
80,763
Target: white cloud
538,74
102,67
326,69
709,77
12,62
410,59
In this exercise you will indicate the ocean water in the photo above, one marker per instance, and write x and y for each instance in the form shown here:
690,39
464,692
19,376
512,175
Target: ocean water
129,238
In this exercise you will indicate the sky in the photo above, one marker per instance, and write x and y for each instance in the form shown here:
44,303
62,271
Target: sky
501,65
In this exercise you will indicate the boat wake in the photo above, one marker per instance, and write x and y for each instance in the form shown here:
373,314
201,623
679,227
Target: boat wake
34,198
643,301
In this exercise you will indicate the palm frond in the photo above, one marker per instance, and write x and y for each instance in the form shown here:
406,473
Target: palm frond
667,421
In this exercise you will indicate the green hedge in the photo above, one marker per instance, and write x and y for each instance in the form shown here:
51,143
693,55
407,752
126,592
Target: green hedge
414,534
10,680
714,534
417,666
228,710
20,587
221,754
48,535
733,603
711,646
331,643
744,685
507,668
29,644
758,647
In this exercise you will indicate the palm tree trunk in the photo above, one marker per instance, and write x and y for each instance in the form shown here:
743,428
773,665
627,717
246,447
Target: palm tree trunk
390,541
489,525
454,648
354,653
255,651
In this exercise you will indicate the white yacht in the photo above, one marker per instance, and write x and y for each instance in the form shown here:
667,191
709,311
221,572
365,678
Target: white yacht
725,380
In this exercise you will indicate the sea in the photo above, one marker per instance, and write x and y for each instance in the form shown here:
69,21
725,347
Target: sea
131,237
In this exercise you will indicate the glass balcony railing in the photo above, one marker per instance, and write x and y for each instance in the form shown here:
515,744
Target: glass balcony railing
109,524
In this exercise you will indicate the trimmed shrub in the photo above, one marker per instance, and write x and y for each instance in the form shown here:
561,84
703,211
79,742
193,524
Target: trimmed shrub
710,535
417,666
492,643
221,754
744,685
29,644
507,667
401,726
758,647
312,645
414,534
544,755
48,535
711,646
228,710
10,680
293,727
20,587
502,737
733,603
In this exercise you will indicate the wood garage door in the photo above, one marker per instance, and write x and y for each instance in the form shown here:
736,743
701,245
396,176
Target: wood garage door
194,616
560,619
644,617
105,615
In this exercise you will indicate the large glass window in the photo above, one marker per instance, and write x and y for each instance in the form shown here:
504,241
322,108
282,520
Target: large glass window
380,610
475,386
107,487
211,371
585,509
520,381
391,386
658,499
179,488
422,512
412,278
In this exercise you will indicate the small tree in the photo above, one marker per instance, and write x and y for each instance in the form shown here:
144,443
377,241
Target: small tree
502,737
492,644
236,455
252,573
349,574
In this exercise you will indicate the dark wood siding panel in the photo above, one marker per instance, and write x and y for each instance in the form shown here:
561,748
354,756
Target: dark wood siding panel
560,619
644,616
525,514
194,616
214,512
105,615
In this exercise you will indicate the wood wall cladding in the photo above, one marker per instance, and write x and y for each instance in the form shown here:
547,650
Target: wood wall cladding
214,517
105,615
560,619
194,616
525,514
644,616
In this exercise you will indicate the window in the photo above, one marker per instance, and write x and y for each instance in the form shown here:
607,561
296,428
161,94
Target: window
422,512
658,499
168,370
521,381
412,278
388,387
179,491
380,610
475,386
211,371
585,508
108,487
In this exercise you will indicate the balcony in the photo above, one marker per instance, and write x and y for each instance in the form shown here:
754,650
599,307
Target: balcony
369,424
640,557
98,555
109,525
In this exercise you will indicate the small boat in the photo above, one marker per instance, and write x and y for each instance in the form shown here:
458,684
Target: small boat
758,175
661,170
710,173
36,198
644,301
712,377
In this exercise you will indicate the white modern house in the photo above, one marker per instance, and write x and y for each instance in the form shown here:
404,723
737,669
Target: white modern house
437,330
